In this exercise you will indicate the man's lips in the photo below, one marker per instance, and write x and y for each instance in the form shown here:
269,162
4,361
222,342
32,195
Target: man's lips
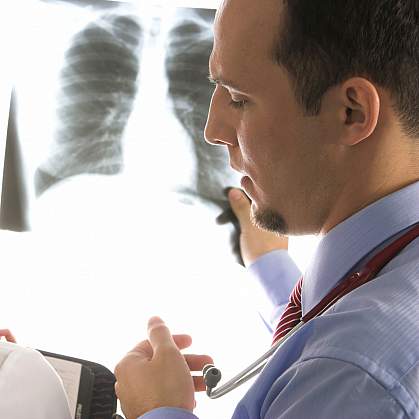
245,181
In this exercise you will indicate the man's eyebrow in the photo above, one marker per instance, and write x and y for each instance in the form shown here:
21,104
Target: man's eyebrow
225,83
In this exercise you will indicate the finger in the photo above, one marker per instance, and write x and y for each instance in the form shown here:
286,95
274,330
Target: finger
159,334
198,362
182,341
198,383
6,333
240,205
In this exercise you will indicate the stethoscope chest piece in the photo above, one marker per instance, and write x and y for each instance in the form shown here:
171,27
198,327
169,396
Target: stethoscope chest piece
212,377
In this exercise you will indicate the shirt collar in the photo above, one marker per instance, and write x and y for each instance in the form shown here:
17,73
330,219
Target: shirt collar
347,244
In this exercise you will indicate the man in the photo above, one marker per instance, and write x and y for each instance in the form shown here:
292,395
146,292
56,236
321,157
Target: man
317,103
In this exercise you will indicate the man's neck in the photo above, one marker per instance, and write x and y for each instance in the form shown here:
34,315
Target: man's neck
346,206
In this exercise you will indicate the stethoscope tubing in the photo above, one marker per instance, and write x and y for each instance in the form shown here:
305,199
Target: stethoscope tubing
252,370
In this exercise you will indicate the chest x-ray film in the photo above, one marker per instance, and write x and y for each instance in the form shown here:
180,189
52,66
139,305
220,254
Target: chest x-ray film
111,89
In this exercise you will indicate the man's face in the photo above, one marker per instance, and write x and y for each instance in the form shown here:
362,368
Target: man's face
284,156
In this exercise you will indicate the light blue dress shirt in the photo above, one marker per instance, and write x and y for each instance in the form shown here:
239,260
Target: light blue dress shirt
360,359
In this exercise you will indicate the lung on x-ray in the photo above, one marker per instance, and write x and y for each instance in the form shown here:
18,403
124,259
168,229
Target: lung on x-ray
109,89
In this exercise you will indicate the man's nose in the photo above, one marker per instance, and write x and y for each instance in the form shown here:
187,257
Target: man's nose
219,129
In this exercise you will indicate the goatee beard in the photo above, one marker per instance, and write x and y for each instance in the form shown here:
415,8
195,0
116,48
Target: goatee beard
270,220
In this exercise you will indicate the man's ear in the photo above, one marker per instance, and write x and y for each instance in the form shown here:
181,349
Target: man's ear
361,103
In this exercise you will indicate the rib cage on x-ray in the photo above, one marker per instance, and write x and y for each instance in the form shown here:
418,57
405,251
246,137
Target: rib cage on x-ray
98,87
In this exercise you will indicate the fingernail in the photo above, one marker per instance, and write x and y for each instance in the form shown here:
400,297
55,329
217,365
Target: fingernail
235,194
155,320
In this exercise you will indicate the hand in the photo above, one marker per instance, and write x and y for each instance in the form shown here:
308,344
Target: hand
155,374
7,334
254,242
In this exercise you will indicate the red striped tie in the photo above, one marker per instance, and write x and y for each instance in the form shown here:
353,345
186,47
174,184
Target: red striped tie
292,314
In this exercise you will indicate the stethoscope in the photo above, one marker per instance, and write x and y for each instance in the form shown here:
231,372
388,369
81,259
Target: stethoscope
212,375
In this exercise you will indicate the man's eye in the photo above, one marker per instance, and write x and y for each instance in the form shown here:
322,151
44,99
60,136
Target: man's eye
238,104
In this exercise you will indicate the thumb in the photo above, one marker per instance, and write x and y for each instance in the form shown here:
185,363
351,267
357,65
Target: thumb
159,334
240,204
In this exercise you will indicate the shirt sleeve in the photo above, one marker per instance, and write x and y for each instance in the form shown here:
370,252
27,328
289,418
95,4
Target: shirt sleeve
30,387
168,413
329,388
277,274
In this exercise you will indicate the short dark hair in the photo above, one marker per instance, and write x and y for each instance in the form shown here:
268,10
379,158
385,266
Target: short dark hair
324,42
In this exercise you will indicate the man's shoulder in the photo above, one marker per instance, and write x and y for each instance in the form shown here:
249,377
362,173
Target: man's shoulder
368,339
14,359
375,327
9,351
26,373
